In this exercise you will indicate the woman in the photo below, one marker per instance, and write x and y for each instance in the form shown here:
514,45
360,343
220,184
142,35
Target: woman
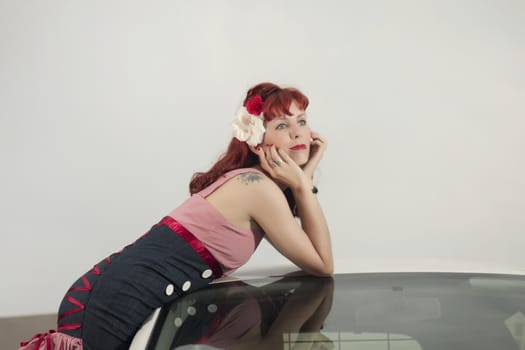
255,189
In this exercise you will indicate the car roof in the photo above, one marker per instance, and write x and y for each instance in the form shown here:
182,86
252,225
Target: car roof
407,310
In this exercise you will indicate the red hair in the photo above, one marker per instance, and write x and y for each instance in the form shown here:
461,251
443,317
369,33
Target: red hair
277,103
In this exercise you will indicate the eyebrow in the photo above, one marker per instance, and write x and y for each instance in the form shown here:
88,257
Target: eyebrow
303,114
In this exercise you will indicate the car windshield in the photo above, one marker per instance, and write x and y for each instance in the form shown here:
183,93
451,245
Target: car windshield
406,311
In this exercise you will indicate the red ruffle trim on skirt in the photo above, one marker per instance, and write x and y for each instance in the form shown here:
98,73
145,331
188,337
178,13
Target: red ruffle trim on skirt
52,340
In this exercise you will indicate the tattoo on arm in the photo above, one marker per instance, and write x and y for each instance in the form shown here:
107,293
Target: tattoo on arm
247,178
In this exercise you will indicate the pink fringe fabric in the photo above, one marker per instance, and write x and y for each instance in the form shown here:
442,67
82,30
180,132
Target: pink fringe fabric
52,341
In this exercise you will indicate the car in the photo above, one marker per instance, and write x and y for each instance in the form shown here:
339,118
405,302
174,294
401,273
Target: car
408,311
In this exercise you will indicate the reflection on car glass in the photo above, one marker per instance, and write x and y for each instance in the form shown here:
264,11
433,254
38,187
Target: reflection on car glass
409,311
244,316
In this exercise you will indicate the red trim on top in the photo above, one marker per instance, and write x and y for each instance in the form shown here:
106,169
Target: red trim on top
194,242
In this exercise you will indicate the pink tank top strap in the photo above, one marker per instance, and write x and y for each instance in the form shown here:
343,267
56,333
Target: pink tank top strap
205,192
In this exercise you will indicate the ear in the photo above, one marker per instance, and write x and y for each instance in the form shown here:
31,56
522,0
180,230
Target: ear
255,149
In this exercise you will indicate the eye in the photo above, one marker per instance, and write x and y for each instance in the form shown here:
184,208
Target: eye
302,122
281,126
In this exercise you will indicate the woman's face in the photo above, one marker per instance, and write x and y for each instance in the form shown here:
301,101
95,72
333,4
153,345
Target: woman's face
290,134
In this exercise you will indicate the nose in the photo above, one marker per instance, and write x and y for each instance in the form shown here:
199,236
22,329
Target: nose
295,132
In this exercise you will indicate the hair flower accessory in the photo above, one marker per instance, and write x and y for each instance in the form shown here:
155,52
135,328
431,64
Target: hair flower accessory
248,125
255,105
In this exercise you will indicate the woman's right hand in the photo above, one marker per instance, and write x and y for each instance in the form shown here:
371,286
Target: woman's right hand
282,168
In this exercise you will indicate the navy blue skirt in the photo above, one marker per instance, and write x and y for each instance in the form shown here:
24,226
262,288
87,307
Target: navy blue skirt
108,305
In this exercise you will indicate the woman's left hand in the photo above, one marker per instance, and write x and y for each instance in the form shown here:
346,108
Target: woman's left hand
317,149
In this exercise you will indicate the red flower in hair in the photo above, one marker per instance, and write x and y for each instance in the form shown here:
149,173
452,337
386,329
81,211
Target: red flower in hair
255,105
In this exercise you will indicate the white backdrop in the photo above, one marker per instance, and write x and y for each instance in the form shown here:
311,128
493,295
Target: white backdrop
108,107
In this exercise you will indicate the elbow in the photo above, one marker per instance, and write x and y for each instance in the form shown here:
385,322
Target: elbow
327,271
329,268
324,271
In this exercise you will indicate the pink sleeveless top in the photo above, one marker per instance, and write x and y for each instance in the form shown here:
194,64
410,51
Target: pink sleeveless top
231,246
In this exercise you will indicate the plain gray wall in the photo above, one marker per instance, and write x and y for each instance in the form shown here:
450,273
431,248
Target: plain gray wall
108,107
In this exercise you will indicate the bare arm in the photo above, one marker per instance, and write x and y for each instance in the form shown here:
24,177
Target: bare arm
308,245
314,224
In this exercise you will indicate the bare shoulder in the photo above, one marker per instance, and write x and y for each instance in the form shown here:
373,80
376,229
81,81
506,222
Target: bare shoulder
245,186
253,189
259,192
250,177
256,183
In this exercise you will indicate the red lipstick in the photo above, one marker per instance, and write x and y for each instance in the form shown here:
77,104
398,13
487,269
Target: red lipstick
298,147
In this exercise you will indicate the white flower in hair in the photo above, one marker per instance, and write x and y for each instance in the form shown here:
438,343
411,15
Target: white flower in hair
249,127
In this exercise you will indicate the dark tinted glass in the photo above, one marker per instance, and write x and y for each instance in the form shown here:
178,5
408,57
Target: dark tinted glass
354,311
